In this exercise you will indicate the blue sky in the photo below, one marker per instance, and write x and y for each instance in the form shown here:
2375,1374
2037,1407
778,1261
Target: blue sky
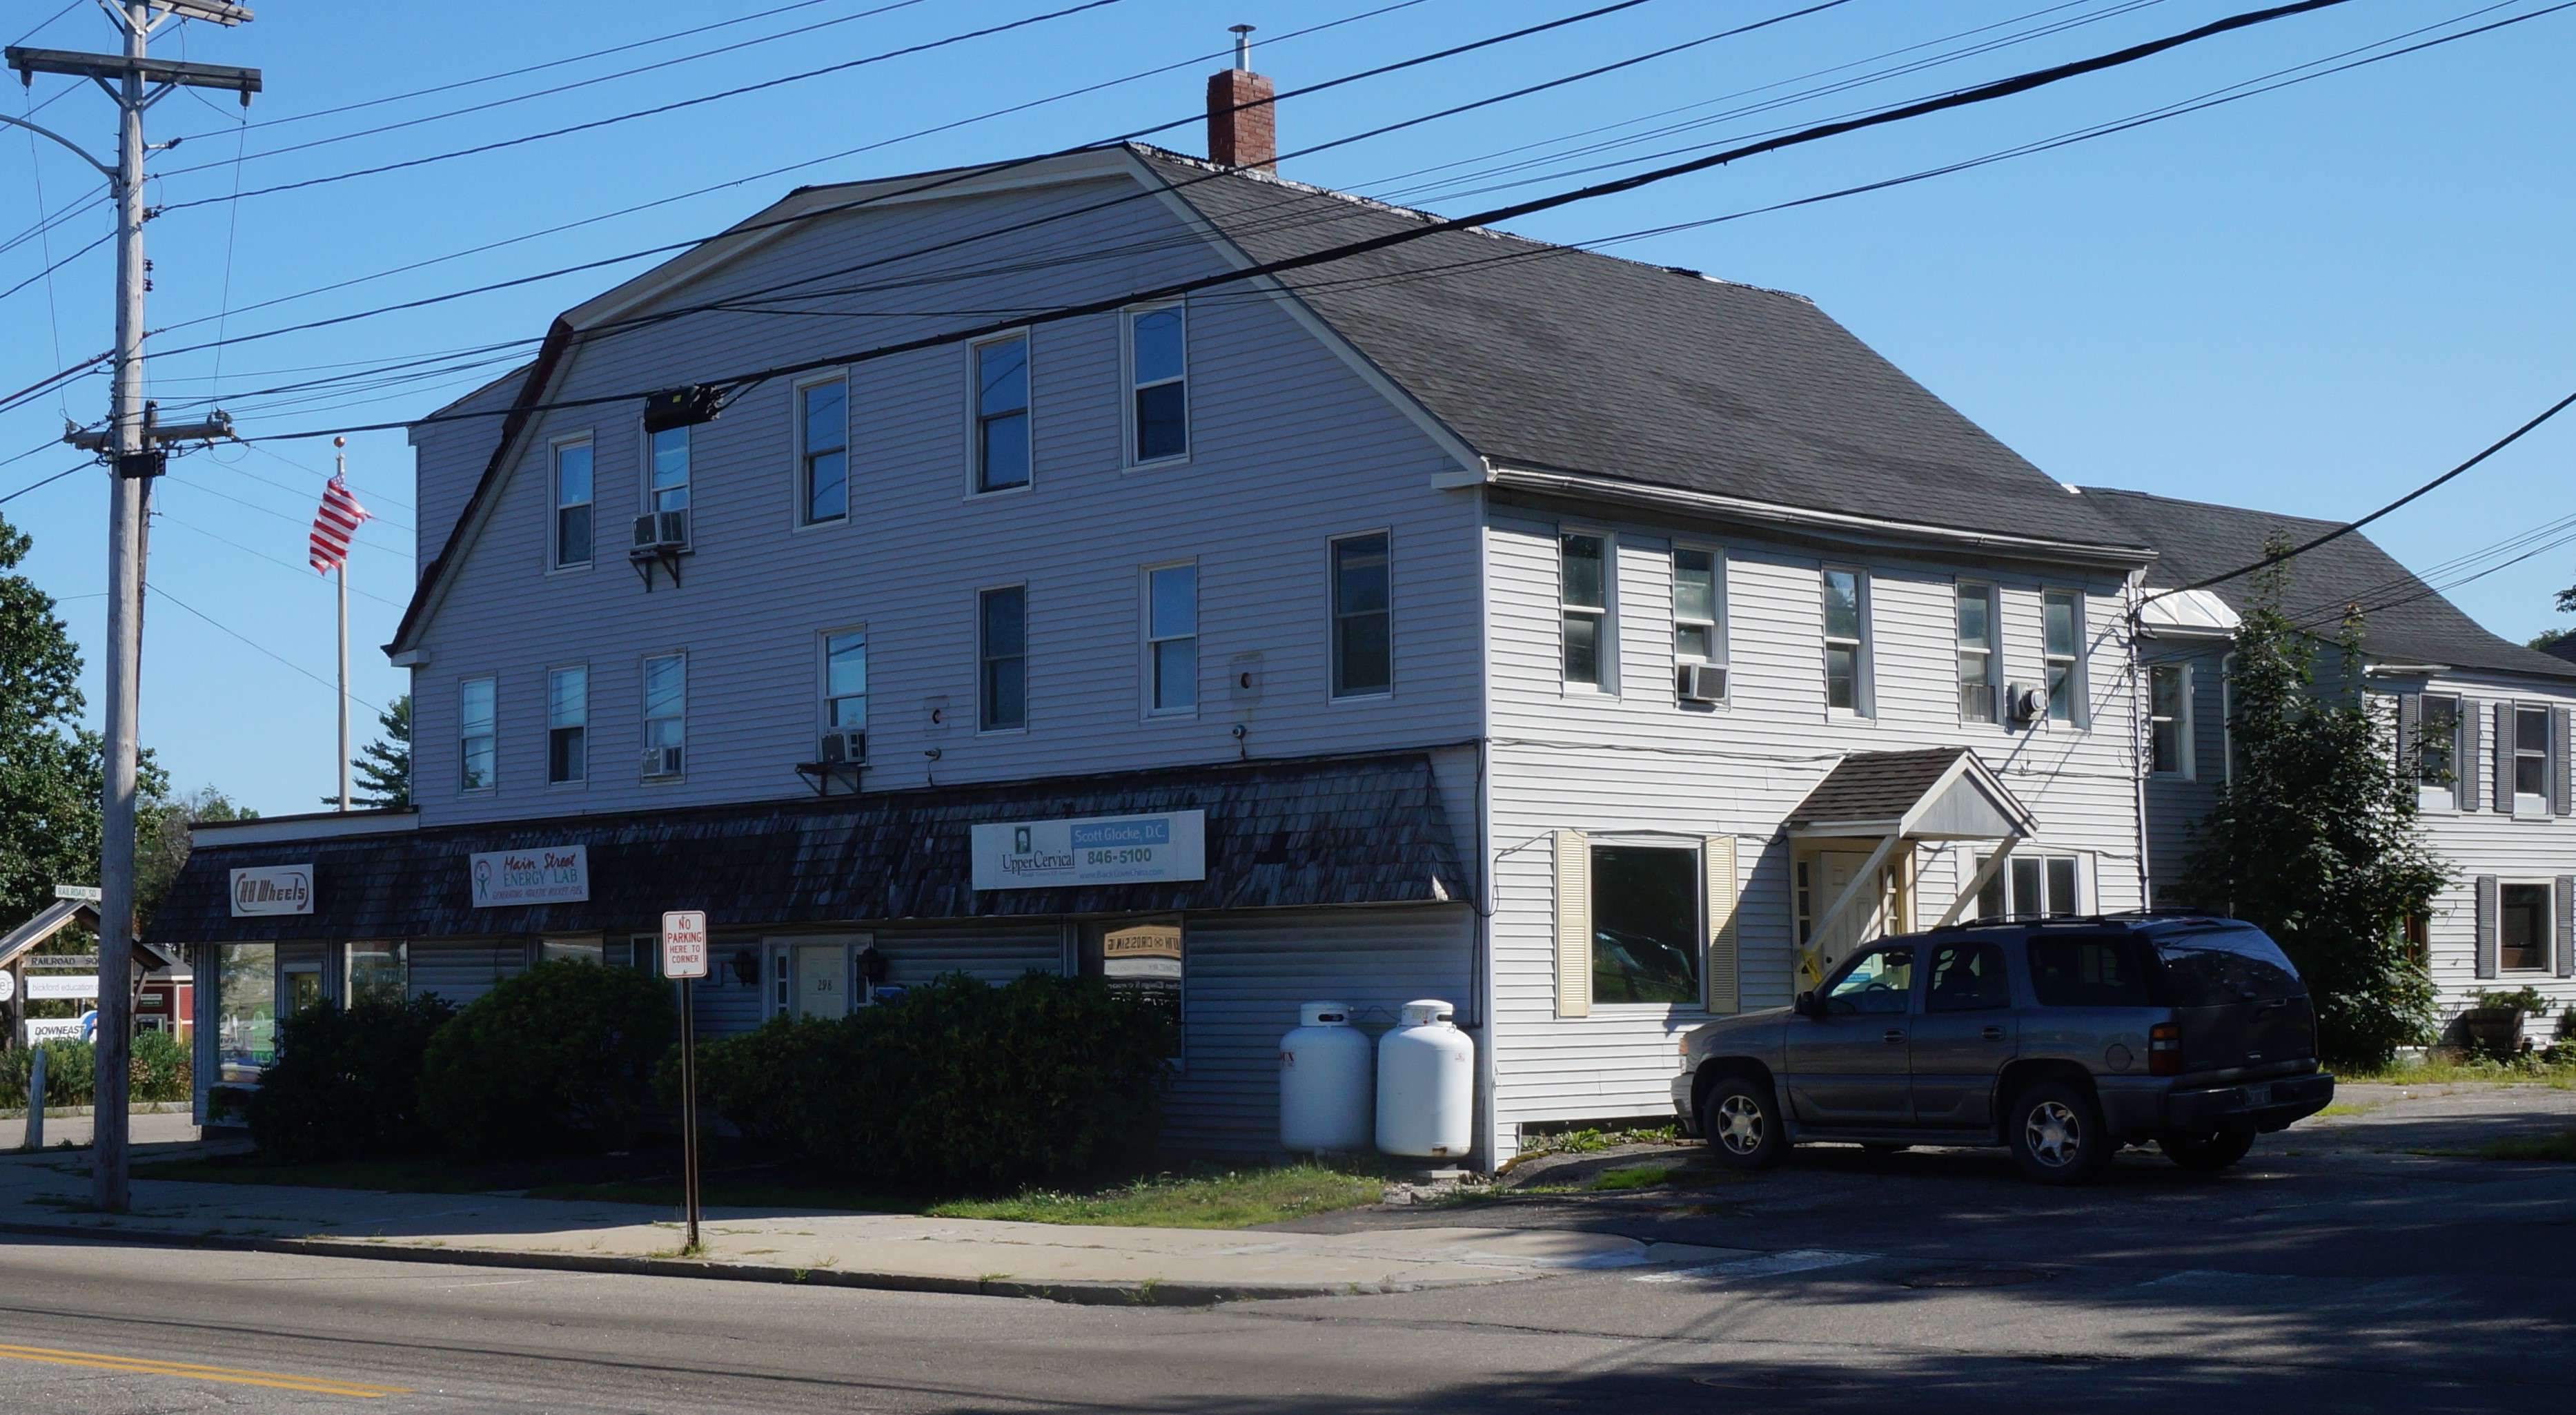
2308,301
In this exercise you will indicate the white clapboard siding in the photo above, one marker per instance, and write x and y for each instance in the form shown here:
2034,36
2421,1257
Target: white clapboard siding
1639,761
1290,446
1245,974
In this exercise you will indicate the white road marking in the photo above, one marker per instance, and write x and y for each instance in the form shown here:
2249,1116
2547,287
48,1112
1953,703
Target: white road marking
1796,1260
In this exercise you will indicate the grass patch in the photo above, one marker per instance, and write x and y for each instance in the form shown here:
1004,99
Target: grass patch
1585,1140
1213,1199
1642,1176
2526,1071
2347,1108
2560,1147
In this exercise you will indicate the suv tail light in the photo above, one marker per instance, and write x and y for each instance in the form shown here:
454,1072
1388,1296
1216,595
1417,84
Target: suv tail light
2164,1049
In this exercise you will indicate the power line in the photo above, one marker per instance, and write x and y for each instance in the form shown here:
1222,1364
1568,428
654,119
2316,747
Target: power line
302,572
222,627
1961,98
48,481
304,521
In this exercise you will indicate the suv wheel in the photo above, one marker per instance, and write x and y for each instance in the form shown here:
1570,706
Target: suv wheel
1742,1123
2207,1153
2057,1133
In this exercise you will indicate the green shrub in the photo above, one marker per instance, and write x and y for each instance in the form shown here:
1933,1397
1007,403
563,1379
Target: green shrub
160,1069
558,1060
347,1082
71,1074
956,1085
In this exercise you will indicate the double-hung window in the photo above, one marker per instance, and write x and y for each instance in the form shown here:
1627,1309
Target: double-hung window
572,505
1583,602
2034,887
1158,404
2531,759
666,470
567,725
845,680
2169,735
666,713
1846,594
1699,606
1002,414
823,451
1002,648
1363,629
2062,641
2522,934
1172,638
1976,653
477,733
2437,741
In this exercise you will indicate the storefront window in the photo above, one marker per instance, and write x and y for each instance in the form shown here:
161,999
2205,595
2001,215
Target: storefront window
246,1010
1140,958
579,950
378,972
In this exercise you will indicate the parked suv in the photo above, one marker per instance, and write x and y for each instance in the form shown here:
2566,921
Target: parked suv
2063,1039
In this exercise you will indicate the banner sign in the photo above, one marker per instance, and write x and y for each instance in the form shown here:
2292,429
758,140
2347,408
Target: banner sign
554,874
1098,850
54,988
272,889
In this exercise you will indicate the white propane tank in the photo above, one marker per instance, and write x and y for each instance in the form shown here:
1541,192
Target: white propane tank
1426,1084
1324,1082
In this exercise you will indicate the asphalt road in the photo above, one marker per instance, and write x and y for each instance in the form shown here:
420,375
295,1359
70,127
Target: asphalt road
2332,1274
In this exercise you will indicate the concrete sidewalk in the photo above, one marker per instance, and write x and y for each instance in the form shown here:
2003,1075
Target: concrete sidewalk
48,1194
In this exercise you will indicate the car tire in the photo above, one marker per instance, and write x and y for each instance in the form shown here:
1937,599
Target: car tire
2206,1153
1741,1121
2058,1135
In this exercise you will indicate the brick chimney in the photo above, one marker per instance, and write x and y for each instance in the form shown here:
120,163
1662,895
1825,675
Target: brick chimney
1240,136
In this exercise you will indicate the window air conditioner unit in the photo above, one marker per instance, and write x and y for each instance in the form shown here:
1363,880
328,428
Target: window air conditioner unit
843,746
2024,704
1701,682
661,530
661,761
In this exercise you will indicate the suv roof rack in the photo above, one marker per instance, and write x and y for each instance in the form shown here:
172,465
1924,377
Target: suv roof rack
2126,916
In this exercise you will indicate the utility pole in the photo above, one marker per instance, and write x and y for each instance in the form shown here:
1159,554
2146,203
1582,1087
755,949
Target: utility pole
132,447
340,464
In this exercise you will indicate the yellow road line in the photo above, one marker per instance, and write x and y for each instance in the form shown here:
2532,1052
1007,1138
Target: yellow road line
228,1375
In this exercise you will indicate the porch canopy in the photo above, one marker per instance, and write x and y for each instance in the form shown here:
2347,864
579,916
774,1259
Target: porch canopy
58,916
1316,831
1901,800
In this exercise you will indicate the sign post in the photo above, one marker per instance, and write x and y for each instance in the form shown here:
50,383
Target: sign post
684,959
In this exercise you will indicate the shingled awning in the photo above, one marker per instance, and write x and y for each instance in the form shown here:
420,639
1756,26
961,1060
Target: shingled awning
1350,830
1939,793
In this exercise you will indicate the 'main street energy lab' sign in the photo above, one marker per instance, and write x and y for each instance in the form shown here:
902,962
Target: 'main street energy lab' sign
1100,850
553,874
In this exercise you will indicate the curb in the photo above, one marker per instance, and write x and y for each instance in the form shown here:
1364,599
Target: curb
1094,1294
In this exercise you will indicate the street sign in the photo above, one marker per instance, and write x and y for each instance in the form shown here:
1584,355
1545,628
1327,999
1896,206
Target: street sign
87,892
684,944
83,1028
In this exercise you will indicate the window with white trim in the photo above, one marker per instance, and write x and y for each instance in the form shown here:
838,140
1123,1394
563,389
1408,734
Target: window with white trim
1699,606
1158,401
666,457
845,680
2531,759
2437,740
572,505
2034,887
1846,600
2169,735
1646,935
567,725
2522,927
1002,414
2061,647
1363,617
666,713
1583,601
1977,656
823,451
1172,638
1002,648
478,735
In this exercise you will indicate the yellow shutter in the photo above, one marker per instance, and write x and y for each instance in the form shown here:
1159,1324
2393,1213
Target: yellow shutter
1573,925
1719,969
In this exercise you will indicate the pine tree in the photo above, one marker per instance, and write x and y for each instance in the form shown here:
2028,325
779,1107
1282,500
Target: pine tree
2314,838
384,767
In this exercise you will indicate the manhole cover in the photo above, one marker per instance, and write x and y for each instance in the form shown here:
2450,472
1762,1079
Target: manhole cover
1978,1276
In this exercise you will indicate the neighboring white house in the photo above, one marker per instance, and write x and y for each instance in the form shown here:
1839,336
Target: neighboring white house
1596,645
2484,722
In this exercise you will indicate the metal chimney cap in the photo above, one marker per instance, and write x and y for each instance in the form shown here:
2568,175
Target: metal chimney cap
1242,46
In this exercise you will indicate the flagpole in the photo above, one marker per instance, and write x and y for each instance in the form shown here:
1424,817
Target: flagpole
340,466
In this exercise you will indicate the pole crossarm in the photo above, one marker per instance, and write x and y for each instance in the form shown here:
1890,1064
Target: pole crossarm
105,169
106,67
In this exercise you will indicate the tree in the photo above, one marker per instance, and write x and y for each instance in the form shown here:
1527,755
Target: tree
2314,838
52,772
162,842
384,768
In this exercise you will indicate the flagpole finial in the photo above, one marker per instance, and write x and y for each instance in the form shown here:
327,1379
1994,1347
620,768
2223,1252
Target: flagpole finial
339,442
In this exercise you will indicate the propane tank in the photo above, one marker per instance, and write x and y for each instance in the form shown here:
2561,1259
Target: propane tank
1426,1084
1324,1067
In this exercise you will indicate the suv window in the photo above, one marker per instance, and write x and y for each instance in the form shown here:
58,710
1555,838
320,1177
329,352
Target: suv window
1968,977
2223,965
2077,970
1877,984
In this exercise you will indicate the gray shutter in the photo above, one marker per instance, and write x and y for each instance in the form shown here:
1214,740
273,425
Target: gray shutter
2489,955
2564,938
2558,745
1573,924
2504,758
2464,763
2410,731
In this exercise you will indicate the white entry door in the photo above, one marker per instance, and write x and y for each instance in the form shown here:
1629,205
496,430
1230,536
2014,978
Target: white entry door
1830,872
822,974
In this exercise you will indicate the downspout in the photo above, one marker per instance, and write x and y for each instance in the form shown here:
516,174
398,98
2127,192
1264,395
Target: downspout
2137,730
1489,1134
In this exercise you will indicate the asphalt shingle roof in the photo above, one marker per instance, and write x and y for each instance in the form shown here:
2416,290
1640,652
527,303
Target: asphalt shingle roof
1554,358
2403,621
1870,786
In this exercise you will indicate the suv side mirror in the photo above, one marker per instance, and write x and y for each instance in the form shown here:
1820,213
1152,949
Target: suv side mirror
1808,1005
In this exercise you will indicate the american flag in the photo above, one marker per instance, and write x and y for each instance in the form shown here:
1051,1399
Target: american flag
333,524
